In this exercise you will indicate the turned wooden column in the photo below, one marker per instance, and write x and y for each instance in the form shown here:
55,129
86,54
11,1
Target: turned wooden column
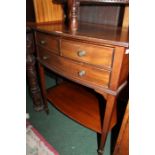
73,6
31,72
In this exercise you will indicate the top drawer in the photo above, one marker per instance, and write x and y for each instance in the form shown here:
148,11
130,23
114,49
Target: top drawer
48,42
93,54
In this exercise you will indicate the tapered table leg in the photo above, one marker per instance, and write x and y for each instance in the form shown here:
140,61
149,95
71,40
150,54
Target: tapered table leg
43,87
108,116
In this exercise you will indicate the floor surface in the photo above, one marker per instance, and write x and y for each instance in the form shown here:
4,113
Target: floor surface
65,135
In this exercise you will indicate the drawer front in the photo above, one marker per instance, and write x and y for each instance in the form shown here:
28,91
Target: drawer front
48,42
78,71
93,54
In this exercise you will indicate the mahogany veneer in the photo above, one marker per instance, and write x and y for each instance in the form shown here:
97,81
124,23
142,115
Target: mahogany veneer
79,103
73,70
85,52
93,56
49,42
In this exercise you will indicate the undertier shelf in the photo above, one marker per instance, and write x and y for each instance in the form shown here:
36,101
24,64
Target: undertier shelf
78,103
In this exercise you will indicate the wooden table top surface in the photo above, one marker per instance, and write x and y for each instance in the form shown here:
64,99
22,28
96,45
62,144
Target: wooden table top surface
105,34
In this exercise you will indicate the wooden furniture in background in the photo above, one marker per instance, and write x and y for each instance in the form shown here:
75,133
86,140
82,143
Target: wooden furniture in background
30,14
122,144
47,11
126,17
73,6
101,14
31,72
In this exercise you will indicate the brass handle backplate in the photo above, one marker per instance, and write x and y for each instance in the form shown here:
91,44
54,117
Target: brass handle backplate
81,53
42,42
81,73
45,57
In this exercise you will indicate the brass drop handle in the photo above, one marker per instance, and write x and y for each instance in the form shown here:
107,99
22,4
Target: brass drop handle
81,73
81,53
42,42
45,57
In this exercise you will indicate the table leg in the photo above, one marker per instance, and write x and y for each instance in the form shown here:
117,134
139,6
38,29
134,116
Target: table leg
43,87
33,82
109,110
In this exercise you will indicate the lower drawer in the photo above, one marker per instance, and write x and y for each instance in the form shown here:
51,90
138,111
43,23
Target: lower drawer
74,70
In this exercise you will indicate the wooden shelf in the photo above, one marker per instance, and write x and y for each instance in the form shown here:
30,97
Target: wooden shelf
99,1
103,34
79,103
106,1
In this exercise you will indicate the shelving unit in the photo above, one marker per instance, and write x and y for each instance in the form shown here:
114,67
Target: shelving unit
73,9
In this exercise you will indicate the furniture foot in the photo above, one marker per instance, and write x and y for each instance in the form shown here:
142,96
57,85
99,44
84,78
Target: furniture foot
108,118
43,87
47,111
39,108
59,80
100,152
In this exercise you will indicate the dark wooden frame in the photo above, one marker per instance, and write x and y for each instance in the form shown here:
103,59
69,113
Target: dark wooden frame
31,71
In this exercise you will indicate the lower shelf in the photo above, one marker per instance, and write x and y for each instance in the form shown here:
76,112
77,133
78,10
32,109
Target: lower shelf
77,103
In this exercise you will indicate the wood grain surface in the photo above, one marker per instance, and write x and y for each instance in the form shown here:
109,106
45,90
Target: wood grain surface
47,11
